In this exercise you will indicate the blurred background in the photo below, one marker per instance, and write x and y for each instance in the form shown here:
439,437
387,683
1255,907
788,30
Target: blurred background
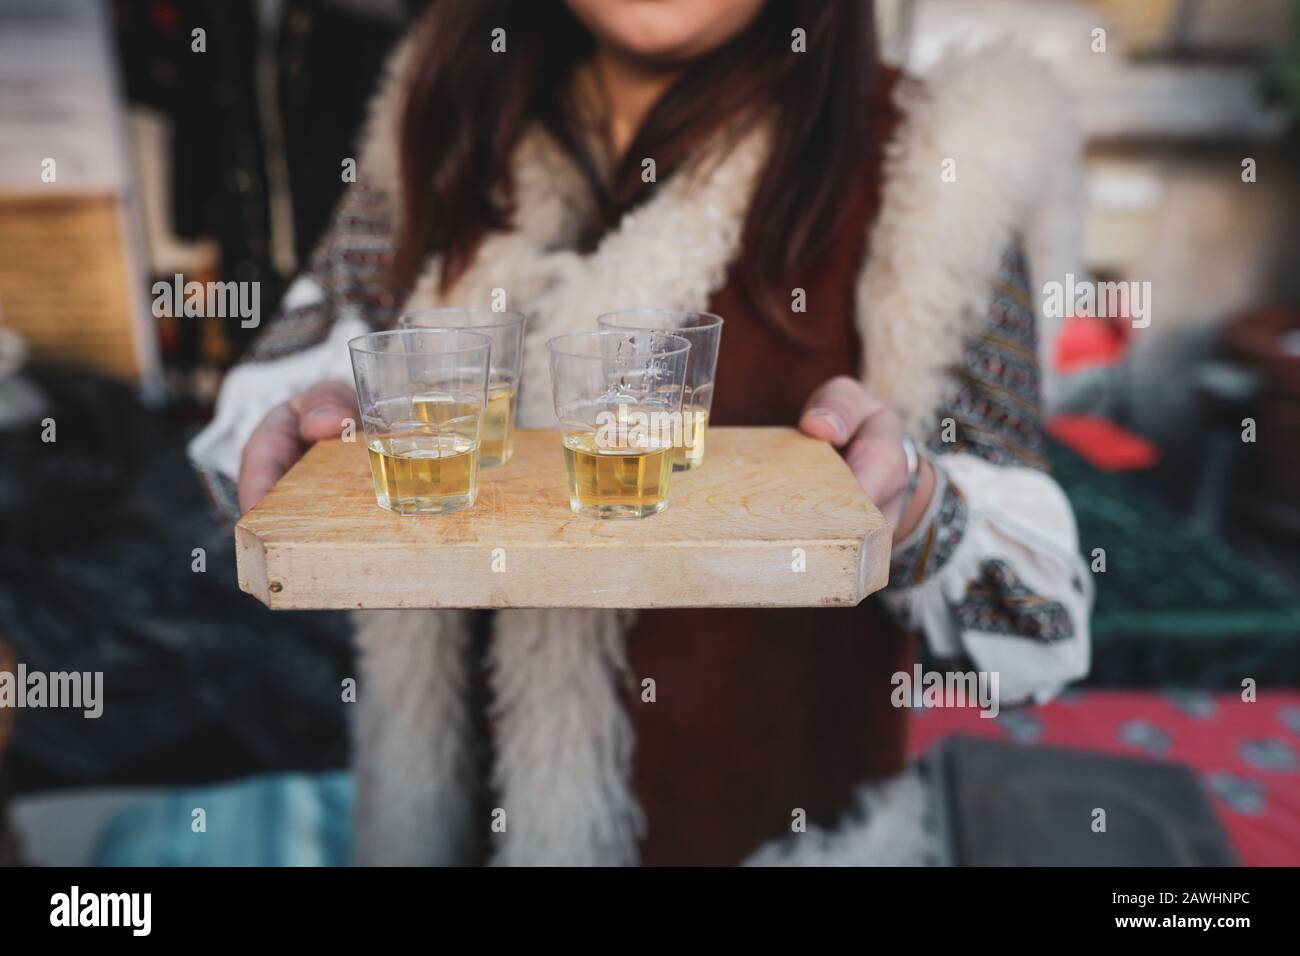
225,165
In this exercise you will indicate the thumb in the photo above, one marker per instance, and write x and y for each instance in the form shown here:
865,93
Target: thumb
323,410
836,410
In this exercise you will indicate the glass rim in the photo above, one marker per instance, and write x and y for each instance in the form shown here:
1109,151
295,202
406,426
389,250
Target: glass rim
354,346
510,317
717,320
554,347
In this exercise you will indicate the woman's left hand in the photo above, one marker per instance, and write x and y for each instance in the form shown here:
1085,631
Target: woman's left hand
869,434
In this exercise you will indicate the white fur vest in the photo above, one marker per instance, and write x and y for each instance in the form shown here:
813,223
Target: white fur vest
986,151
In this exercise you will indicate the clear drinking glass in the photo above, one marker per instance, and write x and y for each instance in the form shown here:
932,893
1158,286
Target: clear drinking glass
704,331
506,330
618,396
421,393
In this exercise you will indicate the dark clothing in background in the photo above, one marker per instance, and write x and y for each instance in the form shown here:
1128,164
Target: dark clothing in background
200,682
325,59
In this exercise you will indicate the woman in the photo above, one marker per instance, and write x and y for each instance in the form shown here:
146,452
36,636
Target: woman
865,237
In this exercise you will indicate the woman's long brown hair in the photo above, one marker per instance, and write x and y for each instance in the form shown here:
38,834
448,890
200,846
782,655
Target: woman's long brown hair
467,108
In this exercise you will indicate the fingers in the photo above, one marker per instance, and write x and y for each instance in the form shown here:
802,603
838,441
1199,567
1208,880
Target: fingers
269,452
837,409
868,432
287,431
875,455
322,408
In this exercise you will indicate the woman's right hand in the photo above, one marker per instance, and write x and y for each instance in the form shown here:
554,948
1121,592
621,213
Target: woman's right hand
287,431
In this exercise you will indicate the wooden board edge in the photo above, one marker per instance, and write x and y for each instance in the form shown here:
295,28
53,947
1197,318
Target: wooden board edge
877,551
846,570
250,564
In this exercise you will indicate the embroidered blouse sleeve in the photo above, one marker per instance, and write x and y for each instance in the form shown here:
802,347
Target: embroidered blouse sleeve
992,575
342,293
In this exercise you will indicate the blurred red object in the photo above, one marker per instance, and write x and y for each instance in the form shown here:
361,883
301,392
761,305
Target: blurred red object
1102,443
1089,342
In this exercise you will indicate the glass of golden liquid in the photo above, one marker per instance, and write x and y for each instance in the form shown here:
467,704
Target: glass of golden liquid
704,331
422,393
506,330
618,395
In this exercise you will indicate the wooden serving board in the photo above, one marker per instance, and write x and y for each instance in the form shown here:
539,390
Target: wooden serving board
765,502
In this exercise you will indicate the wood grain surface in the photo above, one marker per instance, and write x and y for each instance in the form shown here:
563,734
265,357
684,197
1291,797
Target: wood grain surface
730,537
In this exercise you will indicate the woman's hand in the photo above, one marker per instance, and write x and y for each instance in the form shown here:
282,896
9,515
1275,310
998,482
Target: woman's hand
287,431
870,436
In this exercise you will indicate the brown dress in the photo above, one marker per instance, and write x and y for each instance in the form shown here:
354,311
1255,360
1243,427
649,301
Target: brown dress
760,712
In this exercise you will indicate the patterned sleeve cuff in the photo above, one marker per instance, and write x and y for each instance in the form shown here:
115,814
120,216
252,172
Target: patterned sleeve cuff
1000,579
927,549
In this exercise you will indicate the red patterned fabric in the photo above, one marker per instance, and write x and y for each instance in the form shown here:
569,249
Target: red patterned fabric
1247,755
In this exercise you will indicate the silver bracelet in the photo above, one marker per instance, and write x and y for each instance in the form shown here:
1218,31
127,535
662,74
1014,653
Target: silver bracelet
913,473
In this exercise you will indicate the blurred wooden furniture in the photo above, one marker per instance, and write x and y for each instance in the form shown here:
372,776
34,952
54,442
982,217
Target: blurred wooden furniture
64,280
72,269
